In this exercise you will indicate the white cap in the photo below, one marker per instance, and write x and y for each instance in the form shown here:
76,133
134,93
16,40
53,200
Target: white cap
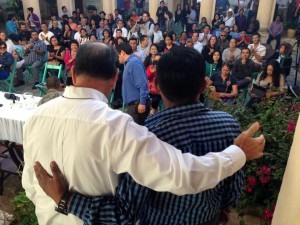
230,10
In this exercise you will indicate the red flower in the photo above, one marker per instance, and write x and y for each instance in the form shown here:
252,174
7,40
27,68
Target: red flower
291,127
265,170
252,181
249,188
264,179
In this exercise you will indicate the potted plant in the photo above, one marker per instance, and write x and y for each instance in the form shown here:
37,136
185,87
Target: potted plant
290,26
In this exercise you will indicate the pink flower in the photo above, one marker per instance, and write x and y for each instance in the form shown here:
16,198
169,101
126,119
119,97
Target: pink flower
264,179
264,170
268,215
291,127
252,181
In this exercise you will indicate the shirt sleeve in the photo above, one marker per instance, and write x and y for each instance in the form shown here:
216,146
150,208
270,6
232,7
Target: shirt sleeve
182,173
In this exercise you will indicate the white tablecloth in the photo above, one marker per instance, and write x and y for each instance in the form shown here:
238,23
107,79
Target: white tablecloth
13,117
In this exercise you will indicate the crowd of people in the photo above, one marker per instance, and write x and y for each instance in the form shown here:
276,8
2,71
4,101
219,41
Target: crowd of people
231,43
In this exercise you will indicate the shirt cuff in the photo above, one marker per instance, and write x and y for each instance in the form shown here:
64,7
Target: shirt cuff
143,101
237,156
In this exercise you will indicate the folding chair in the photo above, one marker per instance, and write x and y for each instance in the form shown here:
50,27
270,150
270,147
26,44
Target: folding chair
42,86
9,82
29,68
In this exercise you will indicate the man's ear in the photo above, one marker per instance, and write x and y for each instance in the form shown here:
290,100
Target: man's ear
156,85
73,72
203,86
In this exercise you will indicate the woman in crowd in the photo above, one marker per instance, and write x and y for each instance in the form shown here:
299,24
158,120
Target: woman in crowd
70,60
174,39
67,36
214,65
83,37
154,94
202,23
9,44
235,32
6,60
185,12
216,21
111,22
107,38
271,80
169,23
224,85
168,42
210,48
284,57
232,53
178,16
93,27
55,51
92,38
134,17
152,53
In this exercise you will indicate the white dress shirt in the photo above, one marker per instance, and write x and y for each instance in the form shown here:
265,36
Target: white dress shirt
198,46
48,36
260,50
93,143
124,32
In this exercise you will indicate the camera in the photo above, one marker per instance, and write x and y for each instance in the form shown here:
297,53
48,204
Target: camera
140,21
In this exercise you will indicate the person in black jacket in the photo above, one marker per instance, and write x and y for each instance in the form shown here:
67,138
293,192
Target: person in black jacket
160,13
284,58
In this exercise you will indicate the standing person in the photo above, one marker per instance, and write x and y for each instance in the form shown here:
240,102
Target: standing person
139,6
178,16
253,7
95,16
275,31
214,131
191,19
135,91
169,23
33,56
186,11
241,20
283,6
12,28
160,13
148,27
33,20
253,26
222,6
70,61
258,52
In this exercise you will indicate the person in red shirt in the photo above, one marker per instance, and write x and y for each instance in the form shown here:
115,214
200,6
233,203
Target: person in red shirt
243,41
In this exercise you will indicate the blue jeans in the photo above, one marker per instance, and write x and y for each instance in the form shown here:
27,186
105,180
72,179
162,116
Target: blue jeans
270,38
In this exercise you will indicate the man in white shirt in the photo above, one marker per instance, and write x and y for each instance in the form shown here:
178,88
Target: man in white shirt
77,34
197,45
258,52
121,26
158,36
205,36
64,11
92,143
229,19
45,35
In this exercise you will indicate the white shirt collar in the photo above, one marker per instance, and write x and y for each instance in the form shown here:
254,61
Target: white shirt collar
84,93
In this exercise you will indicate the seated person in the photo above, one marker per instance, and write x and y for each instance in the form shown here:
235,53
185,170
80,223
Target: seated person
180,73
275,31
232,53
53,88
223,43
243,41
271,80
243,68
6,60
210,48
213,66
253,26
24,34
224,84
258,52
284,57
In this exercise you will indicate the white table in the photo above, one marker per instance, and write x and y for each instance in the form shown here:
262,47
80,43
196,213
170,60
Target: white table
13,117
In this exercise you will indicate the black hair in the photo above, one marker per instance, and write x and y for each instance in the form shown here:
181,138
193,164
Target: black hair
106,30
148,59
228,65
124,47
132,39
52,38
119,30
3,43
63,7
258,34
74,42
245,48
220,61
30,9
96,60
143,37
275,74
169,14
180,74
9,17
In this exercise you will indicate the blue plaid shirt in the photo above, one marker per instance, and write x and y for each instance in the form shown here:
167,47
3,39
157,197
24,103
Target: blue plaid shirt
32,56
193,129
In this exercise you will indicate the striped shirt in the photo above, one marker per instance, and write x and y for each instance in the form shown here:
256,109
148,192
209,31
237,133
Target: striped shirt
32,56
193,129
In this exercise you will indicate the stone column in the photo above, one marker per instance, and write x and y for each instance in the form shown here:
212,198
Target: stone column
207,9
171,6
265,13
34,4
109,6
153,5
70,4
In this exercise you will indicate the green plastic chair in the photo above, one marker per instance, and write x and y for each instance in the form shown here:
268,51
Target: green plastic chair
42,86
9,82
29,69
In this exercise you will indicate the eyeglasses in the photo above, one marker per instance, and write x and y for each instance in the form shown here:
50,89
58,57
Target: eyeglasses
2,47
223,35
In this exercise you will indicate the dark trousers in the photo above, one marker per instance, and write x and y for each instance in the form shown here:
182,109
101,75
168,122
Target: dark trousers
139,118
155,101
270,38
243,83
